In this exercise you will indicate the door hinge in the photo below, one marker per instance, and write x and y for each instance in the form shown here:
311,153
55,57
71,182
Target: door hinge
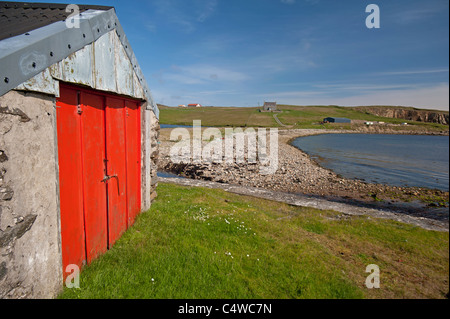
79,110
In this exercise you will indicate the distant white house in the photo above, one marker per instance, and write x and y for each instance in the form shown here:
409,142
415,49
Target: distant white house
194,105
270,106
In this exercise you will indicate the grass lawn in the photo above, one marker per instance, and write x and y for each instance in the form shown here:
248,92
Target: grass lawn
209,244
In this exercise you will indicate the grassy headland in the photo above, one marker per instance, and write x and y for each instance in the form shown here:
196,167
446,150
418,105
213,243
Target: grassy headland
296,117
197,243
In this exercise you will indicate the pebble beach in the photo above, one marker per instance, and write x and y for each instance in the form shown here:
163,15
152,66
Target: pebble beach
298,173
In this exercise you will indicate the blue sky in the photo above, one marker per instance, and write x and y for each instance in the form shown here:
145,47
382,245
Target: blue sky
302,52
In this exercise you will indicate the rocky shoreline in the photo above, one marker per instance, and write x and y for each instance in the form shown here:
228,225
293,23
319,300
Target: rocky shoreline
298,173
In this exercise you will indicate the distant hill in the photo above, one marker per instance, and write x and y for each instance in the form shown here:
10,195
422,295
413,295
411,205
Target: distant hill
301,116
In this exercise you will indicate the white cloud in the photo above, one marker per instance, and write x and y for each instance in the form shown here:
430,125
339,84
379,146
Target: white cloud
202,74
411,72
185,14
207,9
218,92
206,97
150,26
419,13
361,87
436,97
429,98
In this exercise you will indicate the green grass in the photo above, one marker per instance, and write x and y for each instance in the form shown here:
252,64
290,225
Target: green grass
296,116
217,116
199,243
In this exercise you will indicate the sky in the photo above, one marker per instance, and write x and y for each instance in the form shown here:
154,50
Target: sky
300,52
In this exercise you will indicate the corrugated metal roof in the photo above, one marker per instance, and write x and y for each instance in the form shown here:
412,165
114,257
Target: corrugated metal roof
26,55
21,17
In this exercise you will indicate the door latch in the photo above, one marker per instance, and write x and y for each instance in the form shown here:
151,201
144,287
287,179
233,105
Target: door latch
107,178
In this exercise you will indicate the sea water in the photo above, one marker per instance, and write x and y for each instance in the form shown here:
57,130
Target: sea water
397,160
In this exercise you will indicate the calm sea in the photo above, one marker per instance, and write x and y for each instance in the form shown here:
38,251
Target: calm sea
398,160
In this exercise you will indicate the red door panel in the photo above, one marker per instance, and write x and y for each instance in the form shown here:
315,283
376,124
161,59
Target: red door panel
70,179
133,133
94,155
116,168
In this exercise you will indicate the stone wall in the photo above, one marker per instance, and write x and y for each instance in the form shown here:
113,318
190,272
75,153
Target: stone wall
30,258
154,155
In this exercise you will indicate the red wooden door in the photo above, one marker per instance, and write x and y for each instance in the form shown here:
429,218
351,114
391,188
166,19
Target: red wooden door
70,172
100,163
94,155
133,133
116,168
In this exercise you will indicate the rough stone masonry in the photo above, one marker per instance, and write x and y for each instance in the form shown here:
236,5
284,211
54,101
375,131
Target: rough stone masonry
30,263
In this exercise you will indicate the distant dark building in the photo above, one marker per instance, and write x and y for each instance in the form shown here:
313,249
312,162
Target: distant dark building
336,120
270,106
